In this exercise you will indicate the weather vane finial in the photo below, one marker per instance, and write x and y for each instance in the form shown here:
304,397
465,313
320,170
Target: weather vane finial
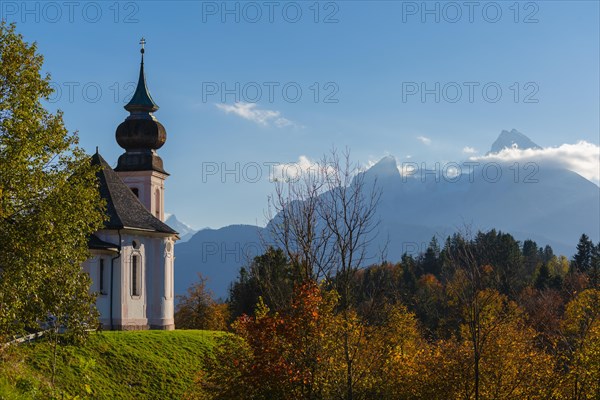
143,43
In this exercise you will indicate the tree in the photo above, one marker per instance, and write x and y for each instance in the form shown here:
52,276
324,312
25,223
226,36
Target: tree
547,254
325,222
582,260
559,268
325,219
244,293
198,310
271,277
390,359
544,309
496,354
531,257
378,286
430,306
543,280
468,289
512,367
49,203
297,353
430,261
295,225
290,354
595,267
581,329
502,252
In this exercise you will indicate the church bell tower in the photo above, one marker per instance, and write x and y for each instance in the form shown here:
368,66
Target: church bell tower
140,167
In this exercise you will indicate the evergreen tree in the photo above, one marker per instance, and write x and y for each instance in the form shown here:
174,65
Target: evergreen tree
503,253
271,277
243,294
582,260
595,267
408,261
543,279
430,262
409,283
548,254
531,257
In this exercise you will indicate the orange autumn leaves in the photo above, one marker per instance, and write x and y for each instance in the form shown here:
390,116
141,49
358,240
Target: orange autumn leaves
301,353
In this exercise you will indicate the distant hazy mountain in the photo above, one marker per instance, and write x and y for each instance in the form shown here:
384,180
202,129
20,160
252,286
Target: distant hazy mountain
185,231
512,139
217,254
549,205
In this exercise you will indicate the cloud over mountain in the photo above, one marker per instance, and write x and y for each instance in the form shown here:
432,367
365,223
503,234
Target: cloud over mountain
581,157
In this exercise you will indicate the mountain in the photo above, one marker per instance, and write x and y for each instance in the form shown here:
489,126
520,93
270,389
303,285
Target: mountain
185,231
552,206
510,140
218,255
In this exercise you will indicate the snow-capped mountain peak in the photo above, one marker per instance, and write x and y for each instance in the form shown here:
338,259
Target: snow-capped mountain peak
512,140
185,231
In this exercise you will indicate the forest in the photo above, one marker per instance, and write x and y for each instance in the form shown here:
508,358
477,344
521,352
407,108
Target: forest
481,317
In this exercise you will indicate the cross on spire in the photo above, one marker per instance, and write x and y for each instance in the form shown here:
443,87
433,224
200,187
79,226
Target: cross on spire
141,100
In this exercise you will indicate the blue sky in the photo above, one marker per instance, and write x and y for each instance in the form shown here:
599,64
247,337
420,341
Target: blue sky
361,67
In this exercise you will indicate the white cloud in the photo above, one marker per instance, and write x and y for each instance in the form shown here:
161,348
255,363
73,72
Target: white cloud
251,112
581,157
469,150
295,170
283,122
425,140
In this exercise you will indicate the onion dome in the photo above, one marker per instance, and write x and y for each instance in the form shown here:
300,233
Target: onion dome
141,134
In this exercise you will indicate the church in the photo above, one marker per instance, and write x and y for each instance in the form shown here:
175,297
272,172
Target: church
132,257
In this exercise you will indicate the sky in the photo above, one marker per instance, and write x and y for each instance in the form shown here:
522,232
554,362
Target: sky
250,88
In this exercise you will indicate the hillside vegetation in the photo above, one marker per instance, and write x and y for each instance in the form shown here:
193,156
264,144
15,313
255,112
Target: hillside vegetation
111,365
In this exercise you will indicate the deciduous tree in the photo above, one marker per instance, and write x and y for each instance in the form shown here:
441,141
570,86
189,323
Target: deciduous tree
197,309
49,202
581,327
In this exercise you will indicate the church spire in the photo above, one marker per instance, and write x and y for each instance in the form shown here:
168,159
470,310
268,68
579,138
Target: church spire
141,134
141,100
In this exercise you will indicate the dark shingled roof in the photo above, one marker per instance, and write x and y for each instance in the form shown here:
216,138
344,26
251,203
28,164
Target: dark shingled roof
94,242
123,207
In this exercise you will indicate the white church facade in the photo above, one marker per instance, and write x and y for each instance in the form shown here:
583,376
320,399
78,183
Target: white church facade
132,257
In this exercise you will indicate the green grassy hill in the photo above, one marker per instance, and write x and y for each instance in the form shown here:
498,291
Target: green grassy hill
111,365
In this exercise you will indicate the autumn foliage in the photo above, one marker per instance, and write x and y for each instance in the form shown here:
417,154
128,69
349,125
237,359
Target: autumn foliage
483,318
197,309
299,353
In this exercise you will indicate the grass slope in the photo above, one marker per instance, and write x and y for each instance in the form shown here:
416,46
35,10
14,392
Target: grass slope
111,365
